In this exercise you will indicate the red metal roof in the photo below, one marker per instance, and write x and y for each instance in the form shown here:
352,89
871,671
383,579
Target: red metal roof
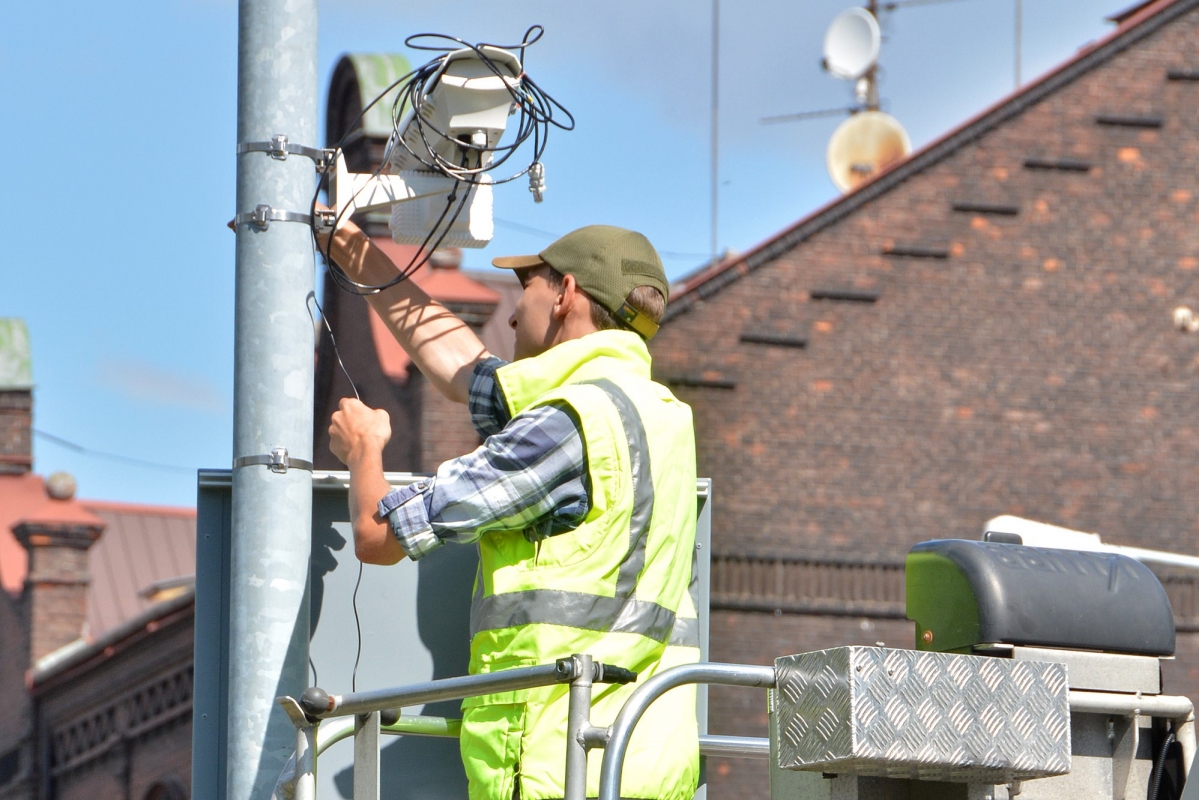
140,545
19,496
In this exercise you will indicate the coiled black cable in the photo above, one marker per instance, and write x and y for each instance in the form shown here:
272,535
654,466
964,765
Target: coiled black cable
536,109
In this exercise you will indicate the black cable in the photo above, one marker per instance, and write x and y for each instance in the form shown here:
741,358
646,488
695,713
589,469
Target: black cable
1159,768
537,109
358,627
332,340
550,236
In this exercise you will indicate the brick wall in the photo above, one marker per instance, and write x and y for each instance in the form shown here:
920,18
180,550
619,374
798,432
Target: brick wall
445,429
16,430
55,597
1020,362
16,721
991,333
121,723
347,315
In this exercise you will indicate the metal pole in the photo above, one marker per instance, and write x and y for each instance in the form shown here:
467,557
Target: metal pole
715,131
366,757
273,377
578,719
323,706
305,761
1019,35
872,102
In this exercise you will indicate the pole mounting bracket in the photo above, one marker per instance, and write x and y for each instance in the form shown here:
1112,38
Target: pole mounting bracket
278,147
278,460
264,215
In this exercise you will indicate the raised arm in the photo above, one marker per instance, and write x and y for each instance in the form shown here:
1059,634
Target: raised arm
442,346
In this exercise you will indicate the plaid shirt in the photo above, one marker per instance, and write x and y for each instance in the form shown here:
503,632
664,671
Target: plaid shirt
530,474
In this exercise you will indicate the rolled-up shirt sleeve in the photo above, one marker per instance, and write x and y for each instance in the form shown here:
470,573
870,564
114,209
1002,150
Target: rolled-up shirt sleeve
488,410
531,476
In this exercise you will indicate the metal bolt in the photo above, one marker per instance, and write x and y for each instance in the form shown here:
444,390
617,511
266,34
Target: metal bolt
927,637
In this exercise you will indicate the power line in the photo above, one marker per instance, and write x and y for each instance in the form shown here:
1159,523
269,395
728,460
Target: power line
87,451
516,226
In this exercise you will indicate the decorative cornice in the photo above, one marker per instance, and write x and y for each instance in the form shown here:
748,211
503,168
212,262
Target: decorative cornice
75,535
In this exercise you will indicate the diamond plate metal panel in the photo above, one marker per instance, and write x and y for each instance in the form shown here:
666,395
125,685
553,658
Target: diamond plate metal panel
929,716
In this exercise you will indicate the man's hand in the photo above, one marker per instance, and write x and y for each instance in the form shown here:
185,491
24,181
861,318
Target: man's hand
358,431
357,436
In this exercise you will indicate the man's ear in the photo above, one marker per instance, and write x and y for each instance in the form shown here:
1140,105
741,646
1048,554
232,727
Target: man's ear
568,294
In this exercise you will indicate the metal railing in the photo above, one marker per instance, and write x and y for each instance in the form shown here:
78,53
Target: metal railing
322,720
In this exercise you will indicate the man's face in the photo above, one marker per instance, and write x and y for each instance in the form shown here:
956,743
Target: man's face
533,319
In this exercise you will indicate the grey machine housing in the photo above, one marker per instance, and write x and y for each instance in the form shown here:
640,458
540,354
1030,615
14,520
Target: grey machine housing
963,593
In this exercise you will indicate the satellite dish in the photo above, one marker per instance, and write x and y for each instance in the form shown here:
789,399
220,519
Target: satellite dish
851,44
863,145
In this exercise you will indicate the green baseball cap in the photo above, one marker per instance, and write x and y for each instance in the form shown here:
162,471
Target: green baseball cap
608,263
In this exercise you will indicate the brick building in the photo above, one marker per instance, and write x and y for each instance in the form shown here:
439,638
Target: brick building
96,610
1001,323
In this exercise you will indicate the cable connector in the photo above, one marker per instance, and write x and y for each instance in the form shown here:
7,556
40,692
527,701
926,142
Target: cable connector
537,181
324,221
569,670
607,673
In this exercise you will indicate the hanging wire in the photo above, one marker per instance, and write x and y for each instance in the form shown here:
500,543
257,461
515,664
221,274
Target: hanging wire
332,338
550,236
87,451
357,627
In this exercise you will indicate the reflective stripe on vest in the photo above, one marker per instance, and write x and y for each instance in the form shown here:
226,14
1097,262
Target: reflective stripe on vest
622,613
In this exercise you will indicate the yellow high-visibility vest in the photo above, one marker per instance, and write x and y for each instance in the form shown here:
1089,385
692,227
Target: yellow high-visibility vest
616,587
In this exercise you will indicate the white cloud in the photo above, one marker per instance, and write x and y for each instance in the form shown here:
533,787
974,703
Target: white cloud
145,382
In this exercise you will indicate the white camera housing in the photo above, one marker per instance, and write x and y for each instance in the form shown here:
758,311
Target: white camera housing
467,102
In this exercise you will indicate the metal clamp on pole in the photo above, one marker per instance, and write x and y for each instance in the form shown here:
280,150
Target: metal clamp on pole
263,215
278,460
279,147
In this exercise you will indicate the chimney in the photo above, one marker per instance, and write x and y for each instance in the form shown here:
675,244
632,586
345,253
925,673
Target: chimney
16,398
57,536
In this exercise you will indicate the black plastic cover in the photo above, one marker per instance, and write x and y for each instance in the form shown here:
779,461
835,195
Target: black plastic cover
962,593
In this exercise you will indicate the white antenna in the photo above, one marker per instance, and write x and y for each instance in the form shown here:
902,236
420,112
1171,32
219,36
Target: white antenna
869,140
851,44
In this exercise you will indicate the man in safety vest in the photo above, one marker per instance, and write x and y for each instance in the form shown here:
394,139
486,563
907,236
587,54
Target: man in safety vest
581,501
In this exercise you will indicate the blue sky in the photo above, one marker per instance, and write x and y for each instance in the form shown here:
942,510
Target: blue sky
120,128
